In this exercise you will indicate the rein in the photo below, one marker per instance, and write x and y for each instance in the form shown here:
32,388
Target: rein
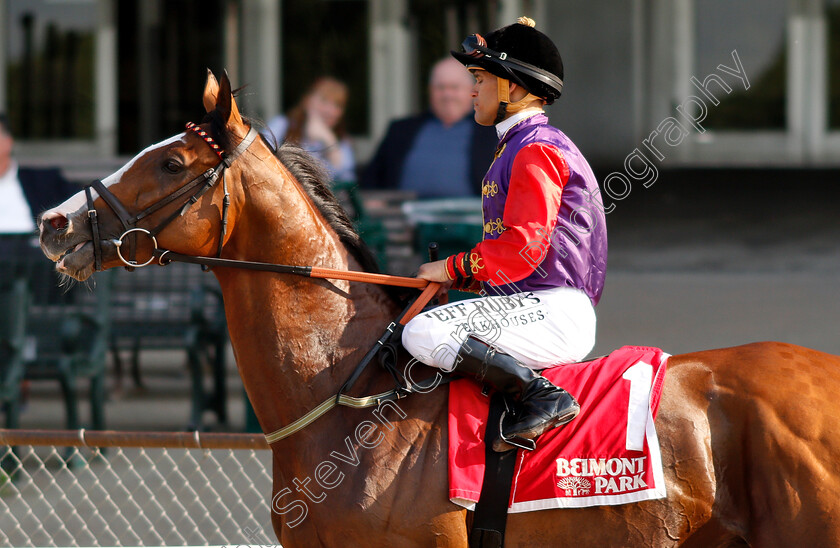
164,256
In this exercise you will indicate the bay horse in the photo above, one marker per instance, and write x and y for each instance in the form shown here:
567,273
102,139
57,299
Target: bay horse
748,435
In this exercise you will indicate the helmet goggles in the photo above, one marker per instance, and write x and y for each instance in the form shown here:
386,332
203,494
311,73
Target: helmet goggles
476,46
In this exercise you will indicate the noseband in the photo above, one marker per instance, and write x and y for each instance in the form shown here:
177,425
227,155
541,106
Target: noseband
201,184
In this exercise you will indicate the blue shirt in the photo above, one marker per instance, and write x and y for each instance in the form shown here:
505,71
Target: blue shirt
437,166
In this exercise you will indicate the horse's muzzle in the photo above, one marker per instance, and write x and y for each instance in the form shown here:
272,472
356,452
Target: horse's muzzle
66,240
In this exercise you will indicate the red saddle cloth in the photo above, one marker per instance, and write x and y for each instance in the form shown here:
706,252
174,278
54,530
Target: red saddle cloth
608,455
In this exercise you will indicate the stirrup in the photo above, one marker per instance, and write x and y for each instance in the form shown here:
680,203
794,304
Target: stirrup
515,441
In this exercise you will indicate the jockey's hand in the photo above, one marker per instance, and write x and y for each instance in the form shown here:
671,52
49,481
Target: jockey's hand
436,272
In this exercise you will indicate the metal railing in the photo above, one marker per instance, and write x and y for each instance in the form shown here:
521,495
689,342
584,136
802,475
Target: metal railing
86,488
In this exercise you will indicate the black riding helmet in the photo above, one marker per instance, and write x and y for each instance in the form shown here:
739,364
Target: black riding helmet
520,53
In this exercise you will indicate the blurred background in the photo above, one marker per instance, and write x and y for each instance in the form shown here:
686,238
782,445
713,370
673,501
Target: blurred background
726,234
97,79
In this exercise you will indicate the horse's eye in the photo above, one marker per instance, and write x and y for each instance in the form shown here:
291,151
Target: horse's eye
171,166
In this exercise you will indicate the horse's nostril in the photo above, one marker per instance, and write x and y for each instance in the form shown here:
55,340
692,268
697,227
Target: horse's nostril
59,222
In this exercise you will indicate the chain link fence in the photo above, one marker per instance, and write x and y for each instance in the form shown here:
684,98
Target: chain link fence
77,488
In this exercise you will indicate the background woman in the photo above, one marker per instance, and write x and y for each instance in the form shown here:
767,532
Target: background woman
316,124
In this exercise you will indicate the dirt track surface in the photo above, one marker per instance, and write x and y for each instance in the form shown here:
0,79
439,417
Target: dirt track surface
684,312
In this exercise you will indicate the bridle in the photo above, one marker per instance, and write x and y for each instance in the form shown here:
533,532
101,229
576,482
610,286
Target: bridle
200,184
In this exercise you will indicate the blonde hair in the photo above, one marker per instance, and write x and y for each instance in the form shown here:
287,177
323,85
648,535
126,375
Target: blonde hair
327,86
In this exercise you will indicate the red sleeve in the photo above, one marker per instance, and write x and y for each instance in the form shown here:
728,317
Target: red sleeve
537,178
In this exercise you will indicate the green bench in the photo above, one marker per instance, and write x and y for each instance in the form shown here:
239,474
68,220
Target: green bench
65,332
176,307
14,303
455,224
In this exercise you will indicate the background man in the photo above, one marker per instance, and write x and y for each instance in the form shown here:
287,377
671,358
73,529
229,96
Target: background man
25,192
438,154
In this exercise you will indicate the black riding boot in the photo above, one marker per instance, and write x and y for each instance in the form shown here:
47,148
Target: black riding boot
541,405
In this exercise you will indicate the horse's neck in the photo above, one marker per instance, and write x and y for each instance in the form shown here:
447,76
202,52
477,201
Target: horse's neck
293,337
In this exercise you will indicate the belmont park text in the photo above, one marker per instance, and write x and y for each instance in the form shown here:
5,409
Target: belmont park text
629,472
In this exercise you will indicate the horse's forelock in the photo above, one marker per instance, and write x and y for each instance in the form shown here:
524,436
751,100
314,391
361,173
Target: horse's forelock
218,129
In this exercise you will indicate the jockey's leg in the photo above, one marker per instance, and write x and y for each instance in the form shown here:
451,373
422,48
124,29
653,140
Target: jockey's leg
540,329
528,330
541,405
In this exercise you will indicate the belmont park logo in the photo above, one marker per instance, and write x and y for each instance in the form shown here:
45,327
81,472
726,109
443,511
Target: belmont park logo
610,475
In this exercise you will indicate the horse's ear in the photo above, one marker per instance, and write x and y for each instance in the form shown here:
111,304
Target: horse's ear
227,104
211,91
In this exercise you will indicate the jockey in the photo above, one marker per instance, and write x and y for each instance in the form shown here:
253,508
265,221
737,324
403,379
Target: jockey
541,265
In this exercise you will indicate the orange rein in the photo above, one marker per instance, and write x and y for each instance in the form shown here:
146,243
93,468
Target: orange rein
429,288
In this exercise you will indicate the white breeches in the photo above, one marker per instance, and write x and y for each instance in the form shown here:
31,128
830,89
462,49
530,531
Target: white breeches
538,328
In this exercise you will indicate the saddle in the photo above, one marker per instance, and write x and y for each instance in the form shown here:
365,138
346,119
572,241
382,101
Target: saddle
608,455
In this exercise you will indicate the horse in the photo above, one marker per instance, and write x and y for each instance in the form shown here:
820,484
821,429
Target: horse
748,435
